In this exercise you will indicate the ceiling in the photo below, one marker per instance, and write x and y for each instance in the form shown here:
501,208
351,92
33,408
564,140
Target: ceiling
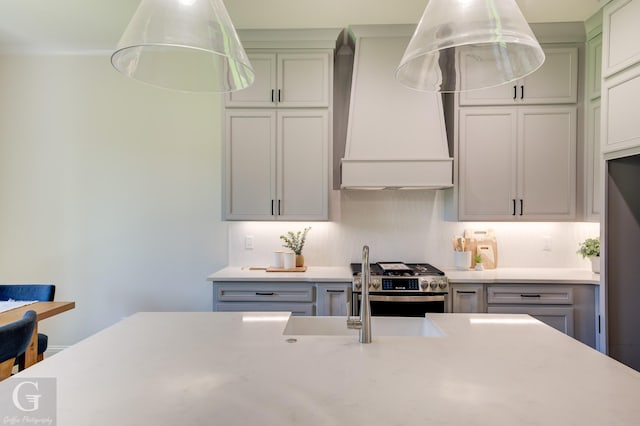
82,25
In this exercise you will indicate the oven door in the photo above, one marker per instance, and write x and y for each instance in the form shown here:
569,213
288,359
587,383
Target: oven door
402,304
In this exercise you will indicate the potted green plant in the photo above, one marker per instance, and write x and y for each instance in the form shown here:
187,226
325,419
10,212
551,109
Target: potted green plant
590,248
478,259
295,243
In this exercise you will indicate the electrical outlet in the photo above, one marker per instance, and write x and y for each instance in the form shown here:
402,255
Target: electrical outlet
248,242
546,243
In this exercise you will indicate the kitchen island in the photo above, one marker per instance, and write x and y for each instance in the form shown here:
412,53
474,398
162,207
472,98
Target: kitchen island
239,369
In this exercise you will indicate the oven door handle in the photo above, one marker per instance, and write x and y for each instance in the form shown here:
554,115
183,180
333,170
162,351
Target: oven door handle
383,298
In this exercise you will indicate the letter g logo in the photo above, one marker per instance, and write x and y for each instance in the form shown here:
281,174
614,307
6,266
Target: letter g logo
33,399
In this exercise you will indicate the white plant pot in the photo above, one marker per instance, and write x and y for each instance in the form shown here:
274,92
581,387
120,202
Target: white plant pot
595,264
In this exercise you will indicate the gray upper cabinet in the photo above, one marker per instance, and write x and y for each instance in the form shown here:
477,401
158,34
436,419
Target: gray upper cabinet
278,132
621,34
277,164
517,163
555,82
621,72
592,120
286,80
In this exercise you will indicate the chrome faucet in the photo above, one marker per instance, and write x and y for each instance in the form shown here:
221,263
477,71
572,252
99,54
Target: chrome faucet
364,322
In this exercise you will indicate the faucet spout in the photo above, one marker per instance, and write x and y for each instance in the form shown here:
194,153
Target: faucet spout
364,322
365,306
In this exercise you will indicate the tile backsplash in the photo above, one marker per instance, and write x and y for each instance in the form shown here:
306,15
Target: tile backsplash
407,226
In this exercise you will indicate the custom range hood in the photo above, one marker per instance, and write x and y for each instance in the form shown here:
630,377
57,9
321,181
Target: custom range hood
395,137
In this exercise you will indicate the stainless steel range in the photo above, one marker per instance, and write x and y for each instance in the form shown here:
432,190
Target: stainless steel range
402,289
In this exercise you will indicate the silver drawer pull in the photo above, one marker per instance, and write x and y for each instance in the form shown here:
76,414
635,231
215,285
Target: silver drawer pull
258,293
530,295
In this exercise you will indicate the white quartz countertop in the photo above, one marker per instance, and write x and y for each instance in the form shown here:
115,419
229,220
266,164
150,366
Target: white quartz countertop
312,274
201,368
343,274
524,275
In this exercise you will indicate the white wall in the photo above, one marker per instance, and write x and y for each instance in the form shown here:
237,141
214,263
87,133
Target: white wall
109,188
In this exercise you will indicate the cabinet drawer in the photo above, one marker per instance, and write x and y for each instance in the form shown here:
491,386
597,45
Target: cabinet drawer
264,293
530,295
298,309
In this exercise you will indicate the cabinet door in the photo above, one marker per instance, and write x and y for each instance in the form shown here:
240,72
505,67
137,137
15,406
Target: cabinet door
547,163
262,92
556,81
250,149
332,299
303,80
558,317
468,298
303,170
487,156
594,66
621,33
593,160
620,101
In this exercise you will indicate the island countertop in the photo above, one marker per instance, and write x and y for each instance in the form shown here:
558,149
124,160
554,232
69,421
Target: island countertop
197,368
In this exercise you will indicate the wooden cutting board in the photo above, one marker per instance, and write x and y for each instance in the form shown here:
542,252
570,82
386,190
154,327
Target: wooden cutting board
296,269
270,269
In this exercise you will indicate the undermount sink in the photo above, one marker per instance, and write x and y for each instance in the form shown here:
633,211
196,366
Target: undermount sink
380,326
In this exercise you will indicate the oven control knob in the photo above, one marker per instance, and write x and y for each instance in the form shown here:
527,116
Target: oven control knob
424,285
375,284
443,284
357,284
433,284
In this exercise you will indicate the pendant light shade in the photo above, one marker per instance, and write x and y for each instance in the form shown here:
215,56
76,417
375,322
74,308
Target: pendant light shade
187,45
464,45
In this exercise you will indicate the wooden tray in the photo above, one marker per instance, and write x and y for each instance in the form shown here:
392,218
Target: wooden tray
297,269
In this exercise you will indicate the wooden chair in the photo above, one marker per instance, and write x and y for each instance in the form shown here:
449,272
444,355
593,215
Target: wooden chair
39,292
15,338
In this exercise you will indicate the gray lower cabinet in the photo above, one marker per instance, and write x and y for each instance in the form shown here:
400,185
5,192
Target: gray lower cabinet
467,298
332,299
298,298
570,309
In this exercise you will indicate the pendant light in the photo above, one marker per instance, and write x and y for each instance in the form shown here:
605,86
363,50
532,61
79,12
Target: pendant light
187,45
464,45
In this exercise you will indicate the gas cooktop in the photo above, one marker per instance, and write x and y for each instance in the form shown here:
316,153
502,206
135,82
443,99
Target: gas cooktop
398,269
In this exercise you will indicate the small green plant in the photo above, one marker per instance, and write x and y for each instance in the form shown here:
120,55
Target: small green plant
478,258
295,241
589,247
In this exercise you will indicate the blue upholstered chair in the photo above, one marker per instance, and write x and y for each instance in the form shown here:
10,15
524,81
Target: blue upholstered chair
39,292
15,338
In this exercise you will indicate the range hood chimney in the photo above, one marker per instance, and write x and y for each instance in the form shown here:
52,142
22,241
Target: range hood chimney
395,136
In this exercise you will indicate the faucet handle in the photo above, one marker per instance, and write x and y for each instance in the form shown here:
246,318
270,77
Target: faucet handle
354,323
